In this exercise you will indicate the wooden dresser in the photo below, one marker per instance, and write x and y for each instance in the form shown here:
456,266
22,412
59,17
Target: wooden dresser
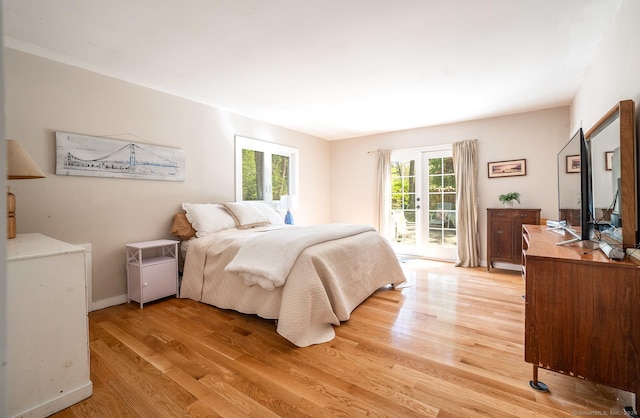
582,311
504,233
572,216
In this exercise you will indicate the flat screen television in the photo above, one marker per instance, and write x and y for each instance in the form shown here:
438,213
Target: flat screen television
575,198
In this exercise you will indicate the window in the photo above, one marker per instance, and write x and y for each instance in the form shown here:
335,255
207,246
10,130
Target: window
265,171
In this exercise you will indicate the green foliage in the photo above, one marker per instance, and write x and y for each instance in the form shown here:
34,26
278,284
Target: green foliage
508,197
279,176
252,176
403,185
253,169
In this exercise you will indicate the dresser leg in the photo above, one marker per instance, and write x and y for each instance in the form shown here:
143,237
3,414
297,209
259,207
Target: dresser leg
535,383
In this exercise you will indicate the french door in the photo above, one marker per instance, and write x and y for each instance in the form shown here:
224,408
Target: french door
423,203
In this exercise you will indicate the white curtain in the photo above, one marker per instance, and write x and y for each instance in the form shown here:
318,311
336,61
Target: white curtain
384,194
465,165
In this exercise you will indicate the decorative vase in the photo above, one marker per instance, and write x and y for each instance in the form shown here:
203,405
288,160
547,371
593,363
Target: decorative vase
508,204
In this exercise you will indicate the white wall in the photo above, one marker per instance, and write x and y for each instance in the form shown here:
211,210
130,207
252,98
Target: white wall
43,96
614,74
534,136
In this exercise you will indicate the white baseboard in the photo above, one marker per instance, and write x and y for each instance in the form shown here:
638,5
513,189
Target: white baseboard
100,304
59,403
105,303
505,266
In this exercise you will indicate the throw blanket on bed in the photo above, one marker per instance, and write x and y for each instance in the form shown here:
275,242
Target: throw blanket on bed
266,259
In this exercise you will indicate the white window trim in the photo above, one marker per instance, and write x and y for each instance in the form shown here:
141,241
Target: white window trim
402,152
268,148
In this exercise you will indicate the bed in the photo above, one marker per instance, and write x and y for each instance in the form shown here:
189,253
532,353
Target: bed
321,274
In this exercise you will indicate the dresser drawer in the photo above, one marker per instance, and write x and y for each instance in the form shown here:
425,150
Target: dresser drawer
500,214
526,216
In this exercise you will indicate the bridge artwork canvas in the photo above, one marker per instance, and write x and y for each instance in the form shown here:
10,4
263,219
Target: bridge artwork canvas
83,155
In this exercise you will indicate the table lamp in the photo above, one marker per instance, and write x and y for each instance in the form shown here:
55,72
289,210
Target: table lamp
20,166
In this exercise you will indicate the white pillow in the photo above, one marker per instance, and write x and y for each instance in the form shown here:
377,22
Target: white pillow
274,217
246,215
208,218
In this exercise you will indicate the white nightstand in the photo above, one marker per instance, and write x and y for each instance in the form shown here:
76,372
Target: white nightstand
152,270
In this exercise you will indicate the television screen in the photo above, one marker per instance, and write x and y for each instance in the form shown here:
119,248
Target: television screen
574,183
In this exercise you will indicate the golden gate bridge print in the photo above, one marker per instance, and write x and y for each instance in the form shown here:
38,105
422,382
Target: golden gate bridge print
82,155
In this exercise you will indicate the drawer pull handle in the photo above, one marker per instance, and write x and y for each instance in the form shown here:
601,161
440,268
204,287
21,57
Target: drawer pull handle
500,232
145,284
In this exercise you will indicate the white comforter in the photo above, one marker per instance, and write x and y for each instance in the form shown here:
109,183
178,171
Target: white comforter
323,286
266,259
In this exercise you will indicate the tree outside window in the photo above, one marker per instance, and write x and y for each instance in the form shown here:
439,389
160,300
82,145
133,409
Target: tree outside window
264,171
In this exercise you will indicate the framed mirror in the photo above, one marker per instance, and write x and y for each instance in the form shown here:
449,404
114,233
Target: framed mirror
612,145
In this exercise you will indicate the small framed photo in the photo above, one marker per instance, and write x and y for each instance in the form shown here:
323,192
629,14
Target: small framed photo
507,168
573,163
608,160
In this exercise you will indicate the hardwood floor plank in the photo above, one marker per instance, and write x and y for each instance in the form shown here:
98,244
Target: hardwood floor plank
133,379
450,344
260,382
138,347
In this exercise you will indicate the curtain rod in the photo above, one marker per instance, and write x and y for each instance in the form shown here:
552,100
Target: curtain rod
417,148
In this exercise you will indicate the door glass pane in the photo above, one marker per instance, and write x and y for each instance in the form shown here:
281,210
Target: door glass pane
252,174
450,238
442,202
435,201
435,166
449,200
447,164
403,200
435,236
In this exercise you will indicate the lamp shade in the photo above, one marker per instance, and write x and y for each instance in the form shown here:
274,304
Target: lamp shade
289,202
286,202
20,165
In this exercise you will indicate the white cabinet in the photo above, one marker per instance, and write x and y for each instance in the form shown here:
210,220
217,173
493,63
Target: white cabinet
152,270
47,327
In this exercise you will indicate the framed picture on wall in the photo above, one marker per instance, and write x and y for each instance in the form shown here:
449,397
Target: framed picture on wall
508,168
573,163
92,156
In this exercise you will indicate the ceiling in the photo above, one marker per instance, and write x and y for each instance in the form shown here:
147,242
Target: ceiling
330,68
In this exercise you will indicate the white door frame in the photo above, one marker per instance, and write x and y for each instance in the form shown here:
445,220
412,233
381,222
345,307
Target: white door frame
422,247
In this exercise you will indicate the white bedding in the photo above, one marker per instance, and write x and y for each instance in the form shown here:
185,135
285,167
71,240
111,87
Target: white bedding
266,259
327,281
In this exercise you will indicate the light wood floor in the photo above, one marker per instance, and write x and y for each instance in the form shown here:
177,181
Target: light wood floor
450,345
